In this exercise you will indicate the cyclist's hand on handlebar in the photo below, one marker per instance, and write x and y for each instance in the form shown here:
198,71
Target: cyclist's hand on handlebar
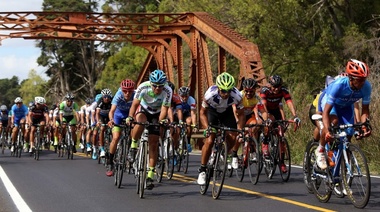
195,128
111,123
329,137
128,120
164,121
208,131
268,122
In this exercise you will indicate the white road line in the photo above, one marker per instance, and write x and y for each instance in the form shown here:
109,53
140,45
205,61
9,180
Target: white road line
16,197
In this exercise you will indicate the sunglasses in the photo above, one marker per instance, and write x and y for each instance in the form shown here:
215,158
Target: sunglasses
249,91
358,79
107,97
225,91
128,91
157,85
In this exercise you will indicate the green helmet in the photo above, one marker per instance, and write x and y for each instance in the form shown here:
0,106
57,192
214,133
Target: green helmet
225,81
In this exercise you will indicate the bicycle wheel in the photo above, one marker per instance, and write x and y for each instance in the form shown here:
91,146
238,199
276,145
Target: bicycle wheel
160,165
242,162
143,168
2,142
119,166
169,158
254,161
209,173
270,163
220,169
19,144
306,174
185,155
357,181
180,153
37,146
319,179
284,157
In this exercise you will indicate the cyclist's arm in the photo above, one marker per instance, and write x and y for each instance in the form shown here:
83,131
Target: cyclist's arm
241,118
134,106
180,114
112,112
163,113
170,115
193,114
203,117
98,120
291,107
281,107
357,112
365,113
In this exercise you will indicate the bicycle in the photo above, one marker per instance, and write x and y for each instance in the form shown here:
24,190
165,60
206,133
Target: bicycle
3,140
183,154
107,139
250,157
37,142
67,143
348,166
165,161
18,145
120,159
279,150
217,164
142,159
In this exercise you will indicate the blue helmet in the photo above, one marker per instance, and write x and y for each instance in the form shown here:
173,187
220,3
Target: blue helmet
157,76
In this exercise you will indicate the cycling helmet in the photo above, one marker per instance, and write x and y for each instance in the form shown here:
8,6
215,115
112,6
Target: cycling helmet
275,81
184,91
69,96
127,84
53,106
88,101
30,104
18,100
98,97
106,92
171,85
225,81
157,76
3,108
250,83
356,68
39,100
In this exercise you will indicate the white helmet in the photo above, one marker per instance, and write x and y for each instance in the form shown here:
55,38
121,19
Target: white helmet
3,108
18,100
39,100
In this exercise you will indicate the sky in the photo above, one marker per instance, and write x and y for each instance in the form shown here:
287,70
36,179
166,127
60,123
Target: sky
18,56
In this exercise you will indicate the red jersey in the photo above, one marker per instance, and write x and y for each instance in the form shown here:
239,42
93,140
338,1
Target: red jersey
273,100
176,101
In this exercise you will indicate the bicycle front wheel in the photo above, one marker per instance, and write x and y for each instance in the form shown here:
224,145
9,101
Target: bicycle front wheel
169,158
270,163
356,176
242,162
160,165
254,161
143,168
220,169
284,159
306,174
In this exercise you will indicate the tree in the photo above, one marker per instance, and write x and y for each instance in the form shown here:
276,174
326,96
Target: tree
9,90
33,86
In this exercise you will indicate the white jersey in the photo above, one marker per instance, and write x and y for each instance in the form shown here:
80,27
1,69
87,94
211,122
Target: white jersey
214,100
90,112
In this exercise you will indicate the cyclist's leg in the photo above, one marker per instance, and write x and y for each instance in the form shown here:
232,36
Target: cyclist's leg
188,133
137,130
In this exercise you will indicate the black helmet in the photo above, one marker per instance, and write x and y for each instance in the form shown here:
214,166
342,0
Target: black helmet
250,83
275,81
88,101
171,85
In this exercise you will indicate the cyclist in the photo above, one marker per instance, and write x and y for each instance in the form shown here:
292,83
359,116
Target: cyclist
151,103
38,114
4,126
27,131
102,111
19,113
217,108
121,103
189,111
175,114
272,96
254,111
83,127
91,123
68,113
337,104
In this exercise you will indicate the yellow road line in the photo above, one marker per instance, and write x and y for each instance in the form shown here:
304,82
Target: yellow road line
300,204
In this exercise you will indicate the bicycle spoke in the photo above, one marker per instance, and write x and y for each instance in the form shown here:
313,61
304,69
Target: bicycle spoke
220,169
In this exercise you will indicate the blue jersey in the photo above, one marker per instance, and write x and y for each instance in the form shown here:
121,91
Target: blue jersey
340,95
19,112
4,115
121,104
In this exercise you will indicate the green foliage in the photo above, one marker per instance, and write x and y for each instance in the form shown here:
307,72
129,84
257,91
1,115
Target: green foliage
32,87
125,64
9,90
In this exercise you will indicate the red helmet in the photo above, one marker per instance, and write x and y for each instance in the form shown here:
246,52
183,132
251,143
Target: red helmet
357,68
127,84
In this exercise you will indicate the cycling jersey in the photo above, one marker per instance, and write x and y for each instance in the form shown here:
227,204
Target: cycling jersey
213,100
104,107
339,93
122,106
38,113
176,102
90,110
272,99
151,102
68,110
187,106
249,104
19,112
4,115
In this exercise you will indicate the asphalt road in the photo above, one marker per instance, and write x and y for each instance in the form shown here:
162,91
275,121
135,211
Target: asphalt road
58,184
